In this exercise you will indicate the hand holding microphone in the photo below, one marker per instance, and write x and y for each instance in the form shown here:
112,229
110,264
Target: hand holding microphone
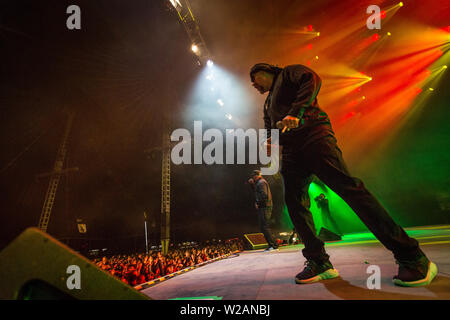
289,122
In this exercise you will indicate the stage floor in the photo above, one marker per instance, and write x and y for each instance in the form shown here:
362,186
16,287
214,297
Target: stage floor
258,275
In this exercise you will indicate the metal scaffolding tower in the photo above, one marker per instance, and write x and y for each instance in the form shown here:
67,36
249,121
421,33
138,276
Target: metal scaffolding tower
165,192
55,176
165,149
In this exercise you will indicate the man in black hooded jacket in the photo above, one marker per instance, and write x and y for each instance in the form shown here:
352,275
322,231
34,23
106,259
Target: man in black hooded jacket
309,148
264,205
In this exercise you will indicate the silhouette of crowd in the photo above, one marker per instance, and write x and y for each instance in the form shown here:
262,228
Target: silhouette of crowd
139,268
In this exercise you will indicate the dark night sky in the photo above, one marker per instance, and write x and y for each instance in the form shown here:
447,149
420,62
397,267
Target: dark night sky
125,66
129,64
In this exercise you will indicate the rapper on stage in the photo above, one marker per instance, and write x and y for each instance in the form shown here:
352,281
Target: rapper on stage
308,148
263,205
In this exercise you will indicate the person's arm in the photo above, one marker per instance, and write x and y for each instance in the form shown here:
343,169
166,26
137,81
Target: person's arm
267,123
307,85
251,183
319,204
262,189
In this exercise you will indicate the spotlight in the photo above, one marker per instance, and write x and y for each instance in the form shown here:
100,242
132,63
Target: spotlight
209,63
444,67
175,3
364,97
228,116
194,48
370,78
317,57
400,4
318,34
389,33
220,102
430,89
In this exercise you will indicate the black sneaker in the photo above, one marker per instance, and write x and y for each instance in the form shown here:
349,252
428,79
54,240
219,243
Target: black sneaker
314,272
415,273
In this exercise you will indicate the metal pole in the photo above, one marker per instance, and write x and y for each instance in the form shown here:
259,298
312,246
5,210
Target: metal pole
145,226
146,240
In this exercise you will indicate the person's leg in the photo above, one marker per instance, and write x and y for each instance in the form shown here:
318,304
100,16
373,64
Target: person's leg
267,217
415,269
296,184
264,215
327,163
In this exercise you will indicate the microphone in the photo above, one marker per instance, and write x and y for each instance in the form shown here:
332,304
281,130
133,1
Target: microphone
280,126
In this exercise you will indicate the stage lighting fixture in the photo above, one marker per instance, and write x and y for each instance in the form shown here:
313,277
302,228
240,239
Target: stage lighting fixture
318,33
228,116
209,63
175,3
317,57
430,89
444,67
194,48
364,97
400,4
389,33
220,102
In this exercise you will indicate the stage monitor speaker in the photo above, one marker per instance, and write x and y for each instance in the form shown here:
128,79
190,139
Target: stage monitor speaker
36,266
256,240
327,235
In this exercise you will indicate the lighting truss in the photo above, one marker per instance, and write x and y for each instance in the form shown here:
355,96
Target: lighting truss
184,12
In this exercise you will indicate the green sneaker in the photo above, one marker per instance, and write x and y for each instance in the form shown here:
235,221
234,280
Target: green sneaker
415,273
314,272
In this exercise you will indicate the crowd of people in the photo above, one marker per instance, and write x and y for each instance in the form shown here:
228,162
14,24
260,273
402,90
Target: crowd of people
140,268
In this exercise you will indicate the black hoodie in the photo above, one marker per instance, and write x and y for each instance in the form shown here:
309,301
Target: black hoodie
294,92
262,193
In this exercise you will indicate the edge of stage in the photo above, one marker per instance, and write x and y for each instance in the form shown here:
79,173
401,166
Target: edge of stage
259,275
